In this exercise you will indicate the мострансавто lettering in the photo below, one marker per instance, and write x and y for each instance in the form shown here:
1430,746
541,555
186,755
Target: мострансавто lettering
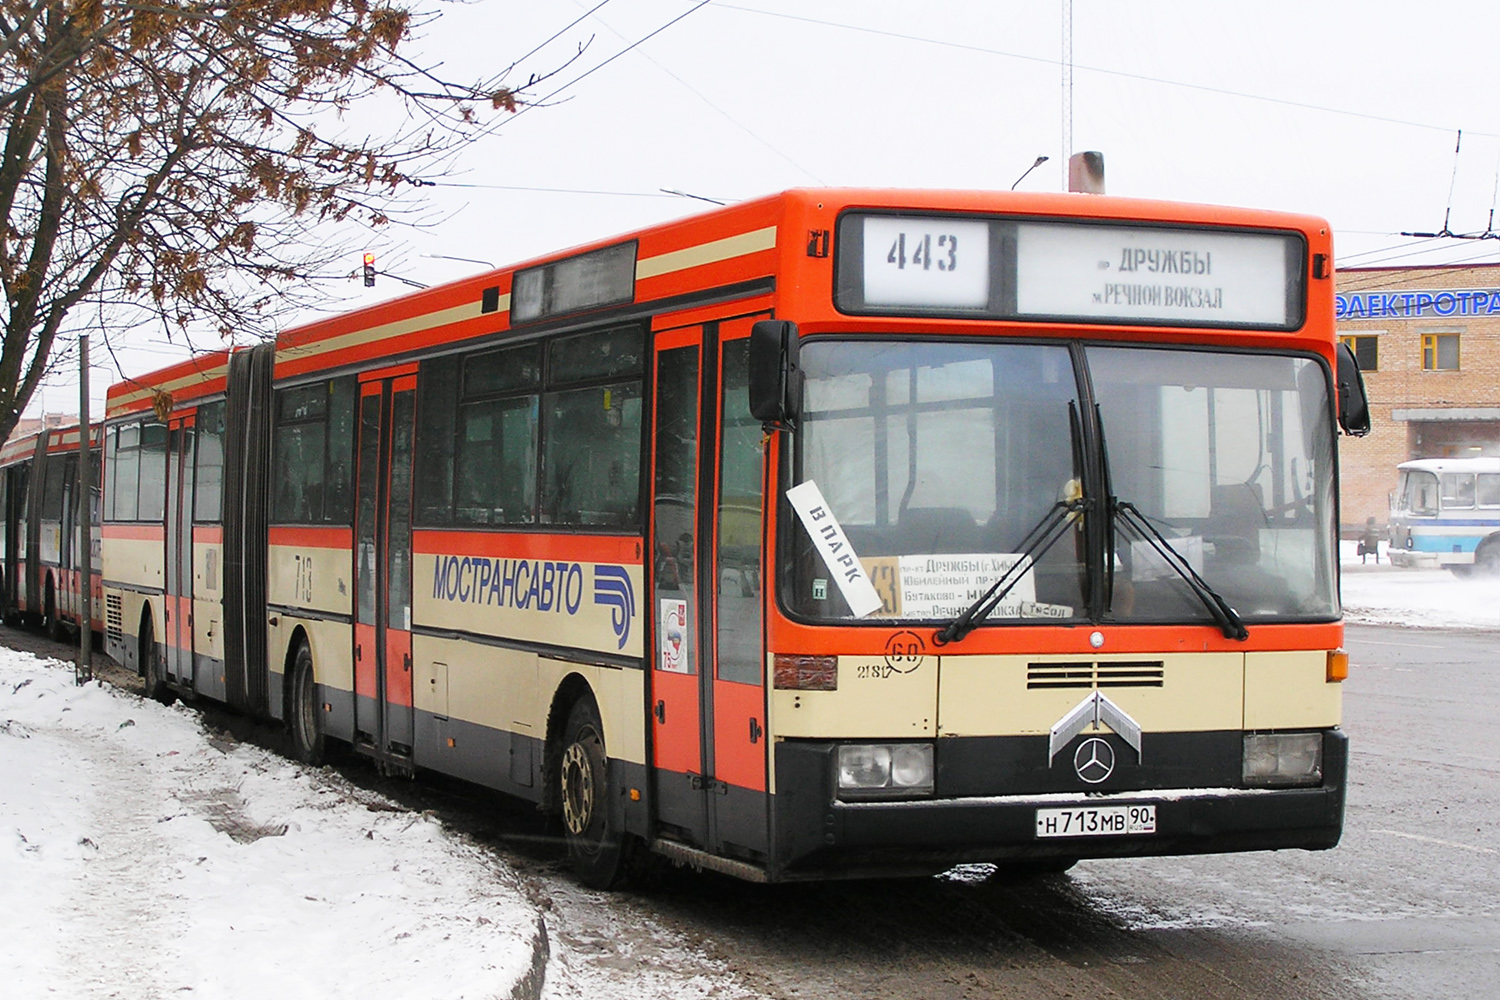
527,584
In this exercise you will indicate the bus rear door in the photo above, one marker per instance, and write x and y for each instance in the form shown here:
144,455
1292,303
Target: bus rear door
179,553
382,566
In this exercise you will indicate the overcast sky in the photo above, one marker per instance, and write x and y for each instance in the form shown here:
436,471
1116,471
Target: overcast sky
1346,110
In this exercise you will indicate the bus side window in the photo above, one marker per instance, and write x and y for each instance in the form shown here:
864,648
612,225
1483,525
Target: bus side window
1488,493
1458,490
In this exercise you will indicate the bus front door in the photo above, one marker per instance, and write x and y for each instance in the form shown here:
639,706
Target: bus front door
382,572
707,695
178,581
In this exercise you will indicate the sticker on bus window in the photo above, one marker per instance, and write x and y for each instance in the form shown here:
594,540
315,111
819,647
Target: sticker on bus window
942,586
674,637
833,545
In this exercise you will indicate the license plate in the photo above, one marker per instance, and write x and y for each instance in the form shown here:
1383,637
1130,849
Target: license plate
1096,821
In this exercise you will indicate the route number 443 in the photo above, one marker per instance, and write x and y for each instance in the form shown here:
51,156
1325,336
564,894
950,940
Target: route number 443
922,253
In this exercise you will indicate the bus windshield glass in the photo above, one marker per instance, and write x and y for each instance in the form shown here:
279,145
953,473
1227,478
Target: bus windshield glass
944,461
1230,457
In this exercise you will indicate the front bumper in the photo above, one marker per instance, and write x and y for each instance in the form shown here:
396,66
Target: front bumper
818,836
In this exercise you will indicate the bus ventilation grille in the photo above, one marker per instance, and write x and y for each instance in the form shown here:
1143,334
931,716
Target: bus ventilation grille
114,617
1086,675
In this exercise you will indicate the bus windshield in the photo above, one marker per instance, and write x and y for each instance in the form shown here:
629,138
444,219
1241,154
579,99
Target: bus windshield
941,460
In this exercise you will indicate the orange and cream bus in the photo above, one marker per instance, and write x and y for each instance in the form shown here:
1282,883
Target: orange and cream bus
834,533
42,535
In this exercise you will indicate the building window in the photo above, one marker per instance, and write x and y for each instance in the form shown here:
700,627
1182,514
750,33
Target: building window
1439,352
1366,351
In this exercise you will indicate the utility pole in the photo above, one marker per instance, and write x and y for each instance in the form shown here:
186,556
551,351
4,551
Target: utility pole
85,518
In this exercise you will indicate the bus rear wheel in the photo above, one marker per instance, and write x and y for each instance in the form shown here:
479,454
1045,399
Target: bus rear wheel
155,685
303,719
51,624
600,853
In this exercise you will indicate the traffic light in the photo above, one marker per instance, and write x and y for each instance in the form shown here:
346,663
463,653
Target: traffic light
369,270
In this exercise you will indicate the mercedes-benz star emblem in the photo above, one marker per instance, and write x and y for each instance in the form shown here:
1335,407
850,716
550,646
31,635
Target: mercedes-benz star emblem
1094,760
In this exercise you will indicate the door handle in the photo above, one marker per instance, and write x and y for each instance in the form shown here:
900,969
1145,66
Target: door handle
660,711
406,662
755,731
359,651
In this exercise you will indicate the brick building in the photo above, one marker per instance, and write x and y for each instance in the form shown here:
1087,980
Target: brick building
1428,342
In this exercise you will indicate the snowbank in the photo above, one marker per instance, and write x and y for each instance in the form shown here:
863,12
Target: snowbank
1381,594
141,857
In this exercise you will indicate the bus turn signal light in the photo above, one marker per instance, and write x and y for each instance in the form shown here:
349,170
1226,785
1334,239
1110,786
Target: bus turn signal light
793,672
1338,665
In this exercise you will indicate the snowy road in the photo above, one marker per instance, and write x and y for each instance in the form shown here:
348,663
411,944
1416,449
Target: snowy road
141,857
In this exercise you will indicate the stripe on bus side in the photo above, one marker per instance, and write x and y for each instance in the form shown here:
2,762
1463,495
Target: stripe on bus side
711,252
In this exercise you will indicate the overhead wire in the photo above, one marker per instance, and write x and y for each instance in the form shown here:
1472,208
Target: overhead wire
700,95
1123,74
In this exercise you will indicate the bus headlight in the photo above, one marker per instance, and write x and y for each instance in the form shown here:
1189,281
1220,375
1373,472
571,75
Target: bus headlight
1283,760
885,770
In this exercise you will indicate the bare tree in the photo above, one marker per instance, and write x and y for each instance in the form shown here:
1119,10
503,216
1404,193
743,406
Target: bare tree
186,157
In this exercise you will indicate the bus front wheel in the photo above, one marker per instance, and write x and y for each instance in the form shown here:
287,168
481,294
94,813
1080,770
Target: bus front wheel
599,852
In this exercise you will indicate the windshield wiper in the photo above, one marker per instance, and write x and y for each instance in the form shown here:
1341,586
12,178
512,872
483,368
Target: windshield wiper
1224,616
1038,540
1228,621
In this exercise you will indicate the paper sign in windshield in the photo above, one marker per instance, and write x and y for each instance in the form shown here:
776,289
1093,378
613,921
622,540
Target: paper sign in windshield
1149,564
945,586
833,545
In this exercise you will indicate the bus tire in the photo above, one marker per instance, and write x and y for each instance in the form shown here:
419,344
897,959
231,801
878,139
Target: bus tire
51,624
1487,557
151,672
304,723
600,853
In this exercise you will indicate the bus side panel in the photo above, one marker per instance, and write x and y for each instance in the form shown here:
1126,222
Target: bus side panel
331,644
474,712
309,570
208,610
123,643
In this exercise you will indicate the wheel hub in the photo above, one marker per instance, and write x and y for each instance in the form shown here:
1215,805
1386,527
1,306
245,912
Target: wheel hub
577,790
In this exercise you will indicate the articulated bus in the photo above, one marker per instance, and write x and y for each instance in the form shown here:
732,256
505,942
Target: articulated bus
1446,512
836,533
41,557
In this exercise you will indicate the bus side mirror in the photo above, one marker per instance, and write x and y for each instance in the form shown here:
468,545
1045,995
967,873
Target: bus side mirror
775,379
1354,406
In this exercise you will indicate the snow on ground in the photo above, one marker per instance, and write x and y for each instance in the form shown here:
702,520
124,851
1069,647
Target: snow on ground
1382,594
143,857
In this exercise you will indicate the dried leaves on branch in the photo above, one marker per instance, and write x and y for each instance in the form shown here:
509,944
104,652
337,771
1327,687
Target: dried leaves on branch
182,160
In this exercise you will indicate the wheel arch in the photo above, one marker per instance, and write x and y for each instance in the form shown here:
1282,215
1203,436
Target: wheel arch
572,689
147,620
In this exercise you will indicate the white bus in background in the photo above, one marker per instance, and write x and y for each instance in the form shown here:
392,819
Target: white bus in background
1446,512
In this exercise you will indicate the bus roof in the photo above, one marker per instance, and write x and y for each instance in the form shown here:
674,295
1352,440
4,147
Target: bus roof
737,251
1482,464
59,439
